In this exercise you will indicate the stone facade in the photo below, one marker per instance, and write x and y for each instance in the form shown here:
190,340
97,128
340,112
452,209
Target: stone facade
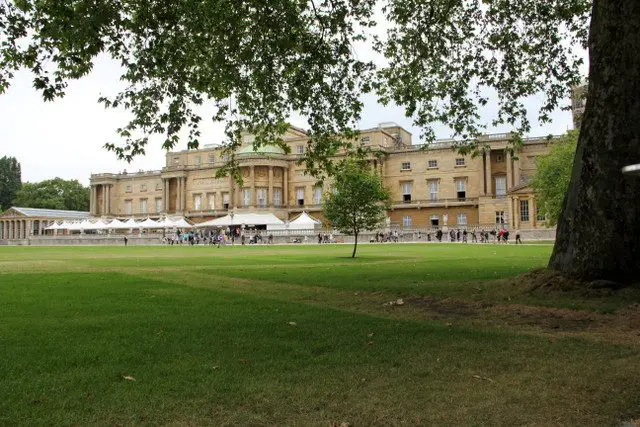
18,223
430,188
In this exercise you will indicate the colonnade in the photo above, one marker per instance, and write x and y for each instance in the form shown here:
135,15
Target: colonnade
105,205
22,228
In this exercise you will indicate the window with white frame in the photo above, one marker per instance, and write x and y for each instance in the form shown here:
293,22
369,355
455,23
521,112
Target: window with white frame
524,210
197,202
539,215
211,201
433,185
432,164
143,206
246,197
158,205
501,186
460,161
143,187
407,221
300,196
299,172
128,188
158,186
277,196
128,207
317,195
299,149
198,160
225,201
435,220
500,217
461,188
462,218
211,158
261,197
407,187
405,166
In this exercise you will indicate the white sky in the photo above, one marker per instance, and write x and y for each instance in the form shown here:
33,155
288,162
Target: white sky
65,138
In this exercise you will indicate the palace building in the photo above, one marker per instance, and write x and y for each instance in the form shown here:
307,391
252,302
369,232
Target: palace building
430,188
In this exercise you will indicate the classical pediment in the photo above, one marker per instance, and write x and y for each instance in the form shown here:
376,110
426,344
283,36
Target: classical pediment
521,189
11,212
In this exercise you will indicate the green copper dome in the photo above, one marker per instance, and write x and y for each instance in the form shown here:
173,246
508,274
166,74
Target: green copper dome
265,149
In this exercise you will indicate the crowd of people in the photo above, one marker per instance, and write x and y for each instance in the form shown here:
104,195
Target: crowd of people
217,237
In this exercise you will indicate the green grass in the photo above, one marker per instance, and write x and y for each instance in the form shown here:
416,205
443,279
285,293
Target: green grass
207,334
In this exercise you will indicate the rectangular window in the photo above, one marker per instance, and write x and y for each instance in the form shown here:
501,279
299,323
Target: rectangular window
433,189
225,200
158,186
524,210
433,164
461,188
158,205
211,158
143,206
462,219
299,172
299,149
176,160
500,218
277,197
406,191
365,139
211,201
198,160
300,196
460,161
317,195
143,187
197,202
501,186
261,196
128,207
128,189
539,215
406,166
435,220
246,197
407,222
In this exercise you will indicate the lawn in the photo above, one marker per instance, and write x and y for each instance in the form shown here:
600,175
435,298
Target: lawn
304,335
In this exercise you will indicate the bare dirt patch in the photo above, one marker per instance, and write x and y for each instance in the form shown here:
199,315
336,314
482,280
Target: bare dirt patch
623,326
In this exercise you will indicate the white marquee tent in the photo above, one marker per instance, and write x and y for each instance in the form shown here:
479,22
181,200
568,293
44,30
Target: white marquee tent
304,222
247,219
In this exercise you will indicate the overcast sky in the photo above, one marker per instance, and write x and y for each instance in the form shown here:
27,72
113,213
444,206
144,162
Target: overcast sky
65,138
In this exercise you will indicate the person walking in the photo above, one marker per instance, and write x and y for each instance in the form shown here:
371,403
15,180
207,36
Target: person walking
518,239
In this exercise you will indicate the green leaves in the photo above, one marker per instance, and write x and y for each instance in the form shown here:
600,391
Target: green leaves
54,193
10,181
553,175
358,200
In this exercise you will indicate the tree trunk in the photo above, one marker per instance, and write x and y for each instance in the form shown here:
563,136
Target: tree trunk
355,245
598,235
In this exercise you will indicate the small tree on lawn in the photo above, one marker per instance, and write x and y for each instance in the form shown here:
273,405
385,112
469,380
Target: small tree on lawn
358,201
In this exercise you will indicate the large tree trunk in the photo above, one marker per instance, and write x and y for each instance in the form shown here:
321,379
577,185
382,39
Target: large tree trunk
598,233
355,245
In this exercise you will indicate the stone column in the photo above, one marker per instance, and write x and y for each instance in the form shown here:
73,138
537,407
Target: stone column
487,175
40,227
108,210
285,187
2,233
164,194
91,202
270,191
533,216
516,212
179,194
253,186
509,170
184,193
232,195
482,181
516,172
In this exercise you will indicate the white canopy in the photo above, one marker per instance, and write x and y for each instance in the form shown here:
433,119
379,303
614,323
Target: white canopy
131,223
80,225
98,225
304,222
149,224
54,226
116,224
180,223
248,219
